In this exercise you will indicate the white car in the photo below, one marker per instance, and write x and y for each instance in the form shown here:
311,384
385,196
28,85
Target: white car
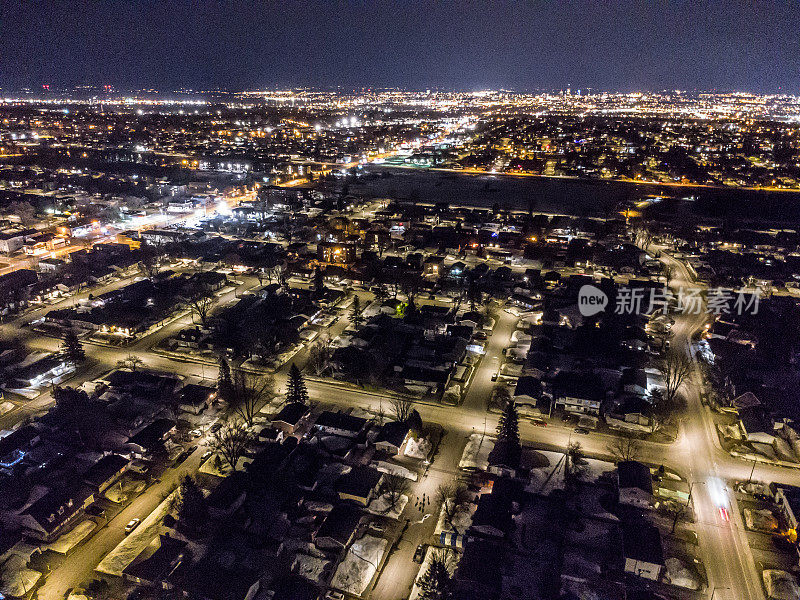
132,524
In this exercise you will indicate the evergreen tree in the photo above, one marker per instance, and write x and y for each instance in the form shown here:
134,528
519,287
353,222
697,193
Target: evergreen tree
355,312
224,380
191,505
436,583
508,426
319,280
295,386
72,347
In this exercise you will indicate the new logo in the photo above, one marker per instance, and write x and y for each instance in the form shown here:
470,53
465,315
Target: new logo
591,300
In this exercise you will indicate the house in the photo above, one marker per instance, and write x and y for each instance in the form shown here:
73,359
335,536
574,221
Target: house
151,438
480,570
528,390
105,471
360,484
392,436
339,527
339,423
578,392
228,496
433,267
288,419
40,372
634,381
15,446
504,459
156,562
53,513
787,497
642,550
635,484
630,412
194,398
756,425
492,518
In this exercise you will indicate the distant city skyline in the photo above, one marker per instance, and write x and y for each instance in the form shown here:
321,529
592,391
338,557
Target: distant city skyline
619,46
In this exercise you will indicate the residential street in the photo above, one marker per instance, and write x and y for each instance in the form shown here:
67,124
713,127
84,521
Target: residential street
696,454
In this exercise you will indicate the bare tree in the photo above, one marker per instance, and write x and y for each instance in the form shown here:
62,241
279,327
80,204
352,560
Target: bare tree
248,391
230,441
151,255
393,488
625,447
24,211
668,271
674,368
402,408
200,306
575,465
452,496
320,355
131,362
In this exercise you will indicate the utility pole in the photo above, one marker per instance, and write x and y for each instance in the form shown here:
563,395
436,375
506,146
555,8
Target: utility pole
753,470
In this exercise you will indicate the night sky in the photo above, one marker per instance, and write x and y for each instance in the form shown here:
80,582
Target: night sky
602,44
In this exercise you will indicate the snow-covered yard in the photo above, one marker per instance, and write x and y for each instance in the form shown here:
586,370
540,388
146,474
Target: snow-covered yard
462,519
312,568
16,579
547,472
125,488
72,538
418,448
381,506
476,453
359,565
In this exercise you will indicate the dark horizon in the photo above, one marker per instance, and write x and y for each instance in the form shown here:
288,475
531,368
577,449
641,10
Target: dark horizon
460,46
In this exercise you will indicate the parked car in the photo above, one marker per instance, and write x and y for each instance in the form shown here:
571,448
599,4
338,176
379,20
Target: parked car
215,427
334,595
539,422
132,524
581,430
419,554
